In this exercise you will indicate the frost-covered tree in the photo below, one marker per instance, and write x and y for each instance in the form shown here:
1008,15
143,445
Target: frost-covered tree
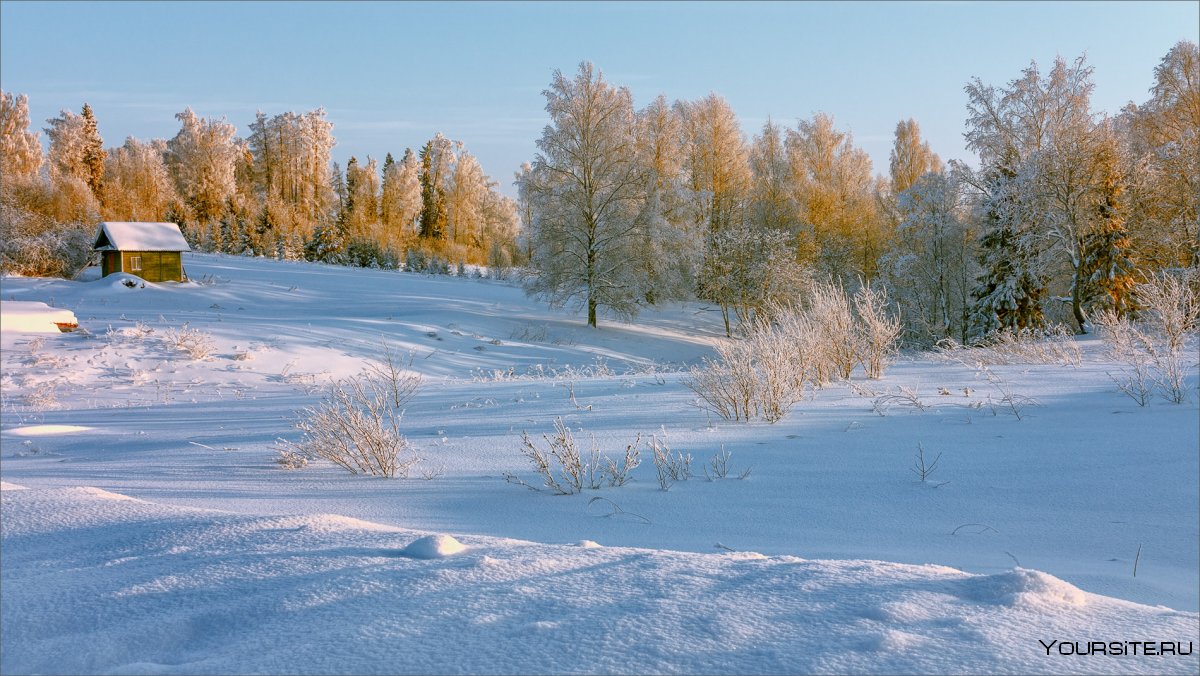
1011,253
930,268
202,159
400,202
466,192
137,185
1040,136
360,213
1163,135
771,201
911,158
747,269
93,153
585,190
67,145
834,193
716,162
671,245
20,150
293,174
437,161
1106,270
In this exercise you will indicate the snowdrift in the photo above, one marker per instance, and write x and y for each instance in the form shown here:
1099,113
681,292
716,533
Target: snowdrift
149,588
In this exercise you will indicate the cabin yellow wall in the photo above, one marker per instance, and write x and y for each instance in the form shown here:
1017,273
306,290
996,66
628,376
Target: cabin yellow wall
156,266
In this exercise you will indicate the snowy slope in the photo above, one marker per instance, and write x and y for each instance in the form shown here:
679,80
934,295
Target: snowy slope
1075,487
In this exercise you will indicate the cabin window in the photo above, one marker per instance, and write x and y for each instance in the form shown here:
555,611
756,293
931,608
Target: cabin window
135,263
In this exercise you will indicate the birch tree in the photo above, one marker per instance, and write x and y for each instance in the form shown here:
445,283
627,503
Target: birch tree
834,192
400,202
138,186
20,150
202,159
585,190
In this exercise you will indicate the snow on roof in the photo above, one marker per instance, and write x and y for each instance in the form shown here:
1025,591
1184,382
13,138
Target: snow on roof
126,236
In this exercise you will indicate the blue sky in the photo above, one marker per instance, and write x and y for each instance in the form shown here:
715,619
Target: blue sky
392,74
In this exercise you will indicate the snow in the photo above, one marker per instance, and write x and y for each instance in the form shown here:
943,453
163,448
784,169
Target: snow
134,236
829,557
46,430
434,547
32,317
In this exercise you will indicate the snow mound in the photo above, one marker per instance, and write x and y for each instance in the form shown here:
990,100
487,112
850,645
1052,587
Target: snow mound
590,544
1023,587
33,317
434,547
322,523
6,486
122,281
47,430
103,494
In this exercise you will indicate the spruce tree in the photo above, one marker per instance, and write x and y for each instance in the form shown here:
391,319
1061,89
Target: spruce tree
1010,291
433,199
1107,267
351,187
93,153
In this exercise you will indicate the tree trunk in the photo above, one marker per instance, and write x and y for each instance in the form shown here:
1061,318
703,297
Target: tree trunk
1077,306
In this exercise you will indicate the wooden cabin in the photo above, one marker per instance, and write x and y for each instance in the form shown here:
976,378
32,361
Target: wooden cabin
152,251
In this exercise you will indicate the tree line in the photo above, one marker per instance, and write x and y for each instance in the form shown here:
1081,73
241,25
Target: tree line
1068,209
276,193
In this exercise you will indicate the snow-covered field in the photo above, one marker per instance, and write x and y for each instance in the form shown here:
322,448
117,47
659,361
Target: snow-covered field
147,528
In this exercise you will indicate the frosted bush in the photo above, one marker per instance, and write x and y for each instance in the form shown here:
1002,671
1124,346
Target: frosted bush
42,396
1157,351
878,330
670,466
196,344
565,470
1050,345
561,466
829,310
356,427
396,375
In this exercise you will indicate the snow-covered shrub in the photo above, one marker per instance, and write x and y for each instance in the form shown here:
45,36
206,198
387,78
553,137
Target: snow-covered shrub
1158,351
1171,305
1054,344
878,328
37,246
565,470
196,344
289,458
830,311
356,427
42,396
618,474
561,466
670,466
729,384
718,466
400,382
